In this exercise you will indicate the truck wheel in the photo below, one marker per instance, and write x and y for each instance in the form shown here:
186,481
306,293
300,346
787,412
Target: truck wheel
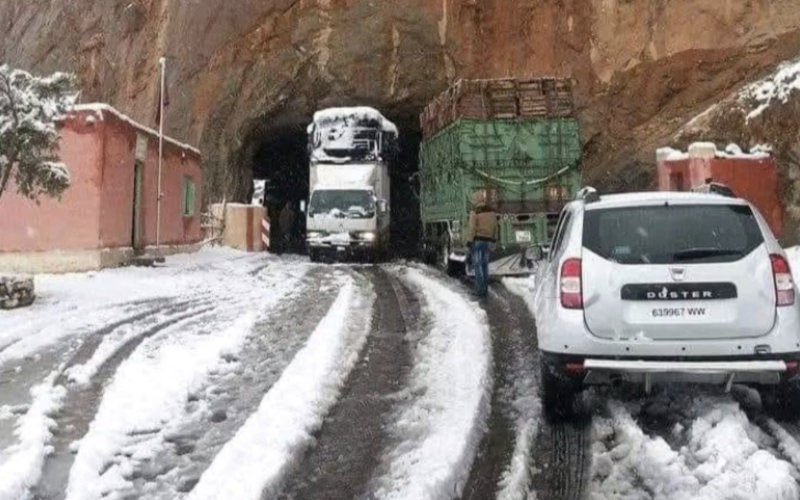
558,392
450,267
313,255
782,401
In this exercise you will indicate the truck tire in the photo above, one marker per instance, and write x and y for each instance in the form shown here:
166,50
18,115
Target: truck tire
452,268
558,392
314,255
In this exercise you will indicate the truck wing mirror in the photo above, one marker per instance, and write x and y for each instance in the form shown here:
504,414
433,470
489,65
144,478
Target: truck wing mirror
303,206
382,206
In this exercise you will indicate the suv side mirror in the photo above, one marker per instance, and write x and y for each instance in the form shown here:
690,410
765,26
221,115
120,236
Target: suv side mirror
382,206
303,206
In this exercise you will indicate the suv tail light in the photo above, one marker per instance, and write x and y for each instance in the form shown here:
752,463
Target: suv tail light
784,285
571,287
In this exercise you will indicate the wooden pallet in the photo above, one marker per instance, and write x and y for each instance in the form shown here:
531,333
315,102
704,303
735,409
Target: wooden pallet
504,98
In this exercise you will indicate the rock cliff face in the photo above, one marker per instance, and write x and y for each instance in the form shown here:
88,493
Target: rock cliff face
242,71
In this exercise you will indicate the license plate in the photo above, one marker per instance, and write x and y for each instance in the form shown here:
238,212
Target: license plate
678,312
523,236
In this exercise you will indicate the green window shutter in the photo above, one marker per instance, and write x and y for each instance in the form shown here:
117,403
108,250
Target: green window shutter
188,197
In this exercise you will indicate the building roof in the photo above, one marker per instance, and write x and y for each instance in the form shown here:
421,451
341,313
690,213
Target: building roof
100,108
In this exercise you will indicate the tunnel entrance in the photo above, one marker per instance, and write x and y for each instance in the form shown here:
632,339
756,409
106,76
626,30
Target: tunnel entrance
280,159
277,153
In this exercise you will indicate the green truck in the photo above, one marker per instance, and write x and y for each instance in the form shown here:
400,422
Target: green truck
514,141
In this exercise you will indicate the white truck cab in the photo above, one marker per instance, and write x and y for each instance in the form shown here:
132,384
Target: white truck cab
348,211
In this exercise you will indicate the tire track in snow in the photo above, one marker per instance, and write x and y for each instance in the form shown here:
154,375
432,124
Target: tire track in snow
439,428
82,401
256,461
502,467
355,433
229,398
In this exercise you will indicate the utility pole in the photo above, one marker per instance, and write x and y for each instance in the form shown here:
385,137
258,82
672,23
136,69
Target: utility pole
163,64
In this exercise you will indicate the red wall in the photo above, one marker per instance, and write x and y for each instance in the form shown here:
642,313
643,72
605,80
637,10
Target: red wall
117,191
96,211
69,224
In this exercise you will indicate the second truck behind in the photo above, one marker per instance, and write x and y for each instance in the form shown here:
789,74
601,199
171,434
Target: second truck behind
514,142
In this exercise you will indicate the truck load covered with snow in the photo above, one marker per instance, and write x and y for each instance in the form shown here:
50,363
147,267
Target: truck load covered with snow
349,187
346,135
752,176
515,141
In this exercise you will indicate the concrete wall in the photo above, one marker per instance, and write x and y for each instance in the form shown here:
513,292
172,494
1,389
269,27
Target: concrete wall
242,227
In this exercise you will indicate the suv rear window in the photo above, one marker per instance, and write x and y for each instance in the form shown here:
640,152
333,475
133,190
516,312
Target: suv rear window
667,234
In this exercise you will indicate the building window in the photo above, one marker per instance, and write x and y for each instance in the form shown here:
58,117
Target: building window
188,197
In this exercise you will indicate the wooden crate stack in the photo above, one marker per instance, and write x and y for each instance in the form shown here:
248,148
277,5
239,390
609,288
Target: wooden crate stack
505,98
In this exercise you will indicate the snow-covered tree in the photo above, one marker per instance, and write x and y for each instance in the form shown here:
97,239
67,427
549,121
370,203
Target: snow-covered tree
29,109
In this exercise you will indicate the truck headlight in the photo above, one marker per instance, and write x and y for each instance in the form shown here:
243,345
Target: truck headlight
367,236
315,235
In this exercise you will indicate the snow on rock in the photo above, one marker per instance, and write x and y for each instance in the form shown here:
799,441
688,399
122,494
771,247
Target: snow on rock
777,87
21,463
264,449
723,458
452,380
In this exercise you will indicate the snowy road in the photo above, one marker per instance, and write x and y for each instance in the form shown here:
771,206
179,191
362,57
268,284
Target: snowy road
227,375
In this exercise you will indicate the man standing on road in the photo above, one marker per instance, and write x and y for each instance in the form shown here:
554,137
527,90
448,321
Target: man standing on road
482,233
286,225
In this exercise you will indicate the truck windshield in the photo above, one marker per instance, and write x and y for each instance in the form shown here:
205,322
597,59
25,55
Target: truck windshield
354,204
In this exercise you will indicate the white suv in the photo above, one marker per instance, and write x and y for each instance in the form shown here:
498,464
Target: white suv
666,287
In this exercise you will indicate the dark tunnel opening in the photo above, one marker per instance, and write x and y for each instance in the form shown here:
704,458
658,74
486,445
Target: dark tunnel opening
279,156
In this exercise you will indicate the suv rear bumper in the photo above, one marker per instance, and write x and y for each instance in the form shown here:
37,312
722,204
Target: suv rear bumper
767,370
564,331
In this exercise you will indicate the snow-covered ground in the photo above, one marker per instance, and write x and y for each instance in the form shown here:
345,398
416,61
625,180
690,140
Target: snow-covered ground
715,452
204,303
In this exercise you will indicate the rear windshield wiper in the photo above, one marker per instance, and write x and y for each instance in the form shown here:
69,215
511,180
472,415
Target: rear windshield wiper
699,253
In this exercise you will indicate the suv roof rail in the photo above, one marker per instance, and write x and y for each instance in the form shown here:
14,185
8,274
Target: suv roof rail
588,194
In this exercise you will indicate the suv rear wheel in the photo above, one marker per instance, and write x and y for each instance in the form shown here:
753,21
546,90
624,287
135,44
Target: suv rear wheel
782,401
559,391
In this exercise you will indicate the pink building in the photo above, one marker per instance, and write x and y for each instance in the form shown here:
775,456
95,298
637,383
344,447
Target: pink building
752,176
108,213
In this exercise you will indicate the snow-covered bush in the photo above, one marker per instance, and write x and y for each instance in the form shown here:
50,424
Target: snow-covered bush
29,109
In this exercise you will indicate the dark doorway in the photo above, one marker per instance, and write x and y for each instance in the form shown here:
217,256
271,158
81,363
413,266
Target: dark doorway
136,222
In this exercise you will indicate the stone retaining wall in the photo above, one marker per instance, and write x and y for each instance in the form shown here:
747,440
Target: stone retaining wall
15,292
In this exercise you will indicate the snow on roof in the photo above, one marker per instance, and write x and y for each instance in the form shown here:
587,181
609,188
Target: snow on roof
731,151
776,87
99,108
358,112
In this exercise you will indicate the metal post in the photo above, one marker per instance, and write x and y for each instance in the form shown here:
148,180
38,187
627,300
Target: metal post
163,63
